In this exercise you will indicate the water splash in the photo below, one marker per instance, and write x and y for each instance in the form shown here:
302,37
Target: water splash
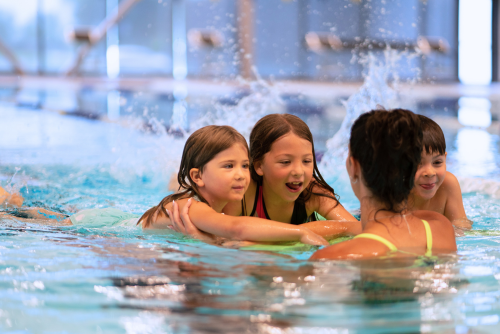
379,89
263,98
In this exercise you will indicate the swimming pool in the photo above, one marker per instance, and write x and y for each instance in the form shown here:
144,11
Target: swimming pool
116,280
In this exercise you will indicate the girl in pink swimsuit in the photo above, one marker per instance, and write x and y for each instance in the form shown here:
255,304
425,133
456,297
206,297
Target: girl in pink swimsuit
286,185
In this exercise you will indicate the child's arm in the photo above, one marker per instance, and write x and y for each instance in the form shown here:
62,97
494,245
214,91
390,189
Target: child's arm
245,228
339,221
8,199
186,227
454,208
330,229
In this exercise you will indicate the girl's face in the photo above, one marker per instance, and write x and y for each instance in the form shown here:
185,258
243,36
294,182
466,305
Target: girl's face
430,175
226,177
287,168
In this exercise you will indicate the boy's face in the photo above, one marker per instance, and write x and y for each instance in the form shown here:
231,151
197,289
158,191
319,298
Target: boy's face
430,174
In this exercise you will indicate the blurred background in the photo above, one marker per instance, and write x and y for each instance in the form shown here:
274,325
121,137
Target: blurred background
177,60
172,62
310,40
150,45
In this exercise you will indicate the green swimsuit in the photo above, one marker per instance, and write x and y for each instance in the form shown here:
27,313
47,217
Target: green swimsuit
390,245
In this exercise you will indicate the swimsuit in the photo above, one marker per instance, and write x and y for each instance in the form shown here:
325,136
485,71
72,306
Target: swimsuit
390,245
299,215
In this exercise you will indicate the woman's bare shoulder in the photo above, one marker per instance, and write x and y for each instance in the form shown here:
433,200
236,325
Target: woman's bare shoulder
351,250
443,232
432,217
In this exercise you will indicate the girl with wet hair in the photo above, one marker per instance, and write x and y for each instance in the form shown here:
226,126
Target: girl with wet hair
214,171
384,153
286,185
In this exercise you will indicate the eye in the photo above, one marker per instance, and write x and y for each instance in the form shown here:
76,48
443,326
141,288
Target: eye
228,166
438,162
285,162
308,161
246,166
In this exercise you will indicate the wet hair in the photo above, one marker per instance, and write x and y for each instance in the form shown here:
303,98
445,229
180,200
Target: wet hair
388,146
201,147
271,128
433,141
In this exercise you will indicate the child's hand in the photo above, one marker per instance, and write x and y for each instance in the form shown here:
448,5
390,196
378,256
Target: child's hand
182,223
311,238
463,224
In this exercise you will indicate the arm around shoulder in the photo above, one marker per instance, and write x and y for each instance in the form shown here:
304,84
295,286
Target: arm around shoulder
249,228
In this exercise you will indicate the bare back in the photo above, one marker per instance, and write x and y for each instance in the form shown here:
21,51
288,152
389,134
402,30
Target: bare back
407,233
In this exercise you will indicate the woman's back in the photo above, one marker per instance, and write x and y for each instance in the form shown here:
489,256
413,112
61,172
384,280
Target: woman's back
399,235
384,154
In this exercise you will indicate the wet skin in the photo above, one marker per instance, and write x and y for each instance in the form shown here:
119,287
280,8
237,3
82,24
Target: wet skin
438,190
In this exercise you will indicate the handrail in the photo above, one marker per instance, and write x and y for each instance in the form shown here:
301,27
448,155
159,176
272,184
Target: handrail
322,41
92,36
11,57
205,38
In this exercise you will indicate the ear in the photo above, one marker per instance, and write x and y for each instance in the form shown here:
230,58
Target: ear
353,168
195,175
445,155
258,168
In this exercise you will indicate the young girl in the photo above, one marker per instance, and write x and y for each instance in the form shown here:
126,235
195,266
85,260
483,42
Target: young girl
286,185
384,153
215,171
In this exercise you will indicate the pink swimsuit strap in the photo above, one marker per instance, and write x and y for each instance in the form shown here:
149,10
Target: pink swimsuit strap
260,205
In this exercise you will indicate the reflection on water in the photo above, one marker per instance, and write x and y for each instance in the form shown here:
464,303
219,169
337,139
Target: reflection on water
145,283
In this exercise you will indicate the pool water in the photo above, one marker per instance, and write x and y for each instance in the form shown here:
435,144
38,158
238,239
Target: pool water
124,280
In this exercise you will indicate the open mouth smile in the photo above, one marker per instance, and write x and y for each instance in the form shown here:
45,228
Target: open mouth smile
294,186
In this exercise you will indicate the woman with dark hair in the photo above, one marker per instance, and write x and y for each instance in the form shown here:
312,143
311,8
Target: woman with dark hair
384,153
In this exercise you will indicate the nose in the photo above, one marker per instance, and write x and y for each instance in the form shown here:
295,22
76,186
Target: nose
429,171
297,169
241,173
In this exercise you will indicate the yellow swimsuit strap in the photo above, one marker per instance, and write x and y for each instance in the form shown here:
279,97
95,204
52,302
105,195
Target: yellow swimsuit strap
390,245
372,236
428,235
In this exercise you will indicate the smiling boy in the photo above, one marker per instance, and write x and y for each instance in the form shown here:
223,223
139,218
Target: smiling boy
436,189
